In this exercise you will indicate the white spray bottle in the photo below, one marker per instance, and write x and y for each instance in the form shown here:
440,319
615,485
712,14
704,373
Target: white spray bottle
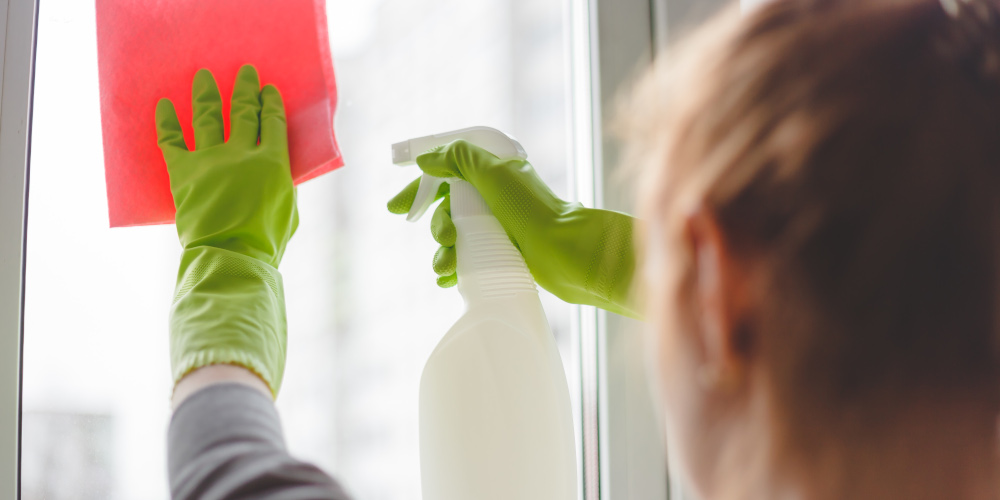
495,415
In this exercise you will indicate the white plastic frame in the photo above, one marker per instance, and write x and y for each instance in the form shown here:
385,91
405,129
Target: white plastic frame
624,35
18,21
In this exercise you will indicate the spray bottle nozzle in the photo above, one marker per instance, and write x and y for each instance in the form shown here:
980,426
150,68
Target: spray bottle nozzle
496,142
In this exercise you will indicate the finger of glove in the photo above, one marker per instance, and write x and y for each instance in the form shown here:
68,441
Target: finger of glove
169,135
244,112
457,159
445,261
206,106
442,227
403,201
447,281
273,123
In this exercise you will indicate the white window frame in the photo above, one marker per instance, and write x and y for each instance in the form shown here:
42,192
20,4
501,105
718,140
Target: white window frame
623,43
625,35
18,21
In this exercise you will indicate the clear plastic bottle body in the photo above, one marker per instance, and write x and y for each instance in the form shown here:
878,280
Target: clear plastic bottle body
495,414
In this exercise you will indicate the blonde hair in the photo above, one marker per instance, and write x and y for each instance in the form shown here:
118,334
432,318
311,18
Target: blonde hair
852,150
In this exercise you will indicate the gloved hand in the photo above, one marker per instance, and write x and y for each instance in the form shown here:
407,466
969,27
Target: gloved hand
235,214
582,255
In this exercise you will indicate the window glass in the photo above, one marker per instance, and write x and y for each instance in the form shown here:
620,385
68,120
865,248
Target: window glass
363,310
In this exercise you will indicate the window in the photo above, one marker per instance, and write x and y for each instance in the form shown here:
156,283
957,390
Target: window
364,312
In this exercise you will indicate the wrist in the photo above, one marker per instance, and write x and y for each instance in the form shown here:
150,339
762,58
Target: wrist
234,245
207,376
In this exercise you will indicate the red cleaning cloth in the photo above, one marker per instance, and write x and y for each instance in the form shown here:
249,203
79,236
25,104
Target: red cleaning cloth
148,49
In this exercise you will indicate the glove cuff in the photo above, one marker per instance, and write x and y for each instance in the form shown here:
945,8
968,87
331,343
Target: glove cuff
228,309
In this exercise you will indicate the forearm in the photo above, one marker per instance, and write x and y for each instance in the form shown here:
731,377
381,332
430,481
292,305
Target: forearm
597,269
228,309
225,441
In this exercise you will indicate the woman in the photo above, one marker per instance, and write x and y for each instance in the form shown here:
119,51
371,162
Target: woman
821,235
820,182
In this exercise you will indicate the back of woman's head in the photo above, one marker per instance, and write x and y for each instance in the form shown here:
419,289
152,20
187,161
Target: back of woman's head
851,150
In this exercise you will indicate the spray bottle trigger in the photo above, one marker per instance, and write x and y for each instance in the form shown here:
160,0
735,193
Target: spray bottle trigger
496,142
426,193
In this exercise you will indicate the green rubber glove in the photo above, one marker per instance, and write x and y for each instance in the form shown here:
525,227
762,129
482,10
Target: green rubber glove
581,255
235,214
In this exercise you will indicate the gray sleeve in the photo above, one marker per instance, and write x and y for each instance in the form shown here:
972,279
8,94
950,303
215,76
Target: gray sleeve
225,442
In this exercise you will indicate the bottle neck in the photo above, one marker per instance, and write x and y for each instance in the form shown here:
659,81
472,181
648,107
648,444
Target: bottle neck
489,266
